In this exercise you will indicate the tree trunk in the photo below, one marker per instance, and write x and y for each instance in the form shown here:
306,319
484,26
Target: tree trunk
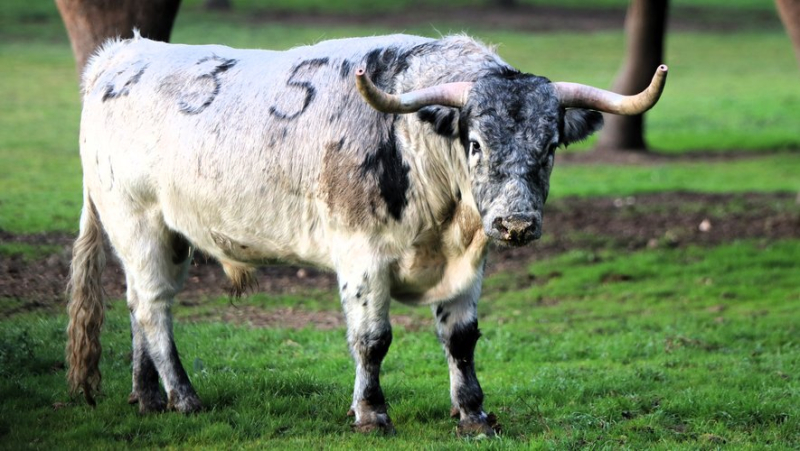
789,10
90,22
645,26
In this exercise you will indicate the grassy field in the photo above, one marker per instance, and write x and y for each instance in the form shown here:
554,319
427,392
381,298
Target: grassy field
670,349
659,348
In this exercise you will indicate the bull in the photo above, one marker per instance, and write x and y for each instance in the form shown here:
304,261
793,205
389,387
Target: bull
394,161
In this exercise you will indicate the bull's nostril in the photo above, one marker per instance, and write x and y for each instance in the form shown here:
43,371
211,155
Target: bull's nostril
499,226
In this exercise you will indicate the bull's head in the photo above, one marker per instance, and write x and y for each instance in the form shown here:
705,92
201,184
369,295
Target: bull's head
510,125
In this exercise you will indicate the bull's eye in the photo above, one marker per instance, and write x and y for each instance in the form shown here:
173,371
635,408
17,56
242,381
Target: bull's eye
474,147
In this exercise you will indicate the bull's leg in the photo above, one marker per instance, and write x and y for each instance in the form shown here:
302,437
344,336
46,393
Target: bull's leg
156,261
457,328
365,300
146,391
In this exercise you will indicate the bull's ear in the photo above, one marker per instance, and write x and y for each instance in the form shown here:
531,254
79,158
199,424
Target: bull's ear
579,124
443,119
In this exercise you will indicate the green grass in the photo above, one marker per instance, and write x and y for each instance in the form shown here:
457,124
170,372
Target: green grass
692,347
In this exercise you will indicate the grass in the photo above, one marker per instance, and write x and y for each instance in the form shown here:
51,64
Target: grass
715,100
692,348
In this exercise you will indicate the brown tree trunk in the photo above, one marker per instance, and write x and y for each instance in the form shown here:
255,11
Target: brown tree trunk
789,10
645,26
90,22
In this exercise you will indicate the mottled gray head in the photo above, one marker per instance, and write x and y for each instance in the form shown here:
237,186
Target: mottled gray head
510,128
510,124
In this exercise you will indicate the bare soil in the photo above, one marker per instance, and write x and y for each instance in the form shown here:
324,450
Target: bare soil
623,224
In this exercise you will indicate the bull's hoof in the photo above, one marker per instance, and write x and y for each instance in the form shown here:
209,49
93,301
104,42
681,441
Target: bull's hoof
474,426
148,402
184,402
380,423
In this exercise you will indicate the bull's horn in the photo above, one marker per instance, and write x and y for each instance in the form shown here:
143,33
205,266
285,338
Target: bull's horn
575,95
447,94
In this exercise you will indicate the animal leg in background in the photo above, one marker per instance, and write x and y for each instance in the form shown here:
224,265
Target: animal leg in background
156,261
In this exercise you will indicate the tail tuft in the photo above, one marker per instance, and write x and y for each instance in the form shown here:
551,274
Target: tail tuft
86,305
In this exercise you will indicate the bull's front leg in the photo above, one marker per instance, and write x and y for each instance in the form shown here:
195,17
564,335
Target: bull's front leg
365,300
457,328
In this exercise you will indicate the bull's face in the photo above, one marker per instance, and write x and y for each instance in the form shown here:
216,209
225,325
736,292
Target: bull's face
510,124
510,129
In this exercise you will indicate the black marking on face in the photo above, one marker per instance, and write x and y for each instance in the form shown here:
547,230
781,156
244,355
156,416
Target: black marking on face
443,119
346,70
114,91
439,310
296,81
443,319
389,169
206,86
344,287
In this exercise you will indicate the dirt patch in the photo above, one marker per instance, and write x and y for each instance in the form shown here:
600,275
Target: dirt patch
625,224
528,18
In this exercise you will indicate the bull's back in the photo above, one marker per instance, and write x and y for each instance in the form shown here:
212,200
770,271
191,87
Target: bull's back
226,141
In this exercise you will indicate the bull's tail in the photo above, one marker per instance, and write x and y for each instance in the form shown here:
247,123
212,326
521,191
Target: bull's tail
86,304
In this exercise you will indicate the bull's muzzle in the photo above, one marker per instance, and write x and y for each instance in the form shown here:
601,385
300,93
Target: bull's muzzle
516,229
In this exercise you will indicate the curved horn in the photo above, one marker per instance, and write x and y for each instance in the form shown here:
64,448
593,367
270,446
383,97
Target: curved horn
575,95
448,94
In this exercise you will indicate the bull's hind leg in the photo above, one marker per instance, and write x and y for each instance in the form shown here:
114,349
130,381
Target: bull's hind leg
156,261
457,328
146,391
365,300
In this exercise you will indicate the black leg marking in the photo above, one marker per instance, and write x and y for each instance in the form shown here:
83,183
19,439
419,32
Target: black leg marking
182,397
146,391
296,81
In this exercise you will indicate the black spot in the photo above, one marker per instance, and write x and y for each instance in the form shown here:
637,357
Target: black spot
383,65
112,92
344,287
364,304
439,310
443,119
443,318
391,173
295,82
347,69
